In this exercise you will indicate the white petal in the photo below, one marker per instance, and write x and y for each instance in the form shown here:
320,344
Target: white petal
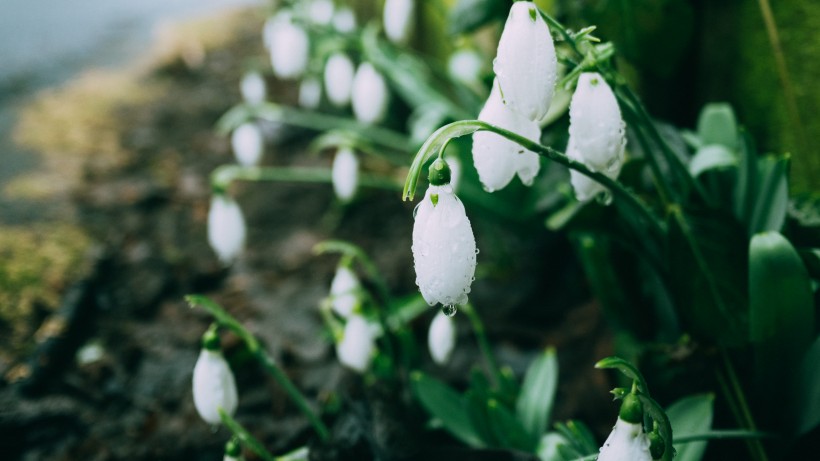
226,228
355,350
310,93
339,73
344,291
596,124
455,171
320,12
214,386
525,63
344,20
398,20
370,94
289,47
626,442
248,143
465,66
345,174
253,88
442,338
444,249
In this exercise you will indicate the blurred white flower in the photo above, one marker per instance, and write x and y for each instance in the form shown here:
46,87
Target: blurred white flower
344,21
214,386
399,16
253,88
444,249
498,159
247,143
289,46
320,12
344,289
370,94
339,71
465,65
626,442
355,350
345,174
310,93
525,63
441,338
226,228
455,171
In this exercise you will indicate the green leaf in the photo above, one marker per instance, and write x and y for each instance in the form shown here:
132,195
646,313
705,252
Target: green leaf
445,404
468,15
717,125
549,447
476,403
535,401
711,157
746,184
580,438
772,195
691,415
626,368
508,429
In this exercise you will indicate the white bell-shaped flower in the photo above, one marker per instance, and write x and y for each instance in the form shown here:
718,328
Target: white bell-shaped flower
370,94
310,93
444,249
496,158
344,291
320,12
339,72
596,126
441,339
465,65
585,187
248,143
253,88
344,20
525,63
355,350
226,228
289,46
345,174
214,386
626,442
399,16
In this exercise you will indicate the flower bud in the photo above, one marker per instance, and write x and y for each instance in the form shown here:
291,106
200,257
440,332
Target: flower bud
444,249
399,16
320,12
345,174
525,63
344,21
344,291
339,73
289,46
253,88
247,143
442,337
496,158
310,93
370,94
657,446
214,386
226,228
626,442
355,350
439,173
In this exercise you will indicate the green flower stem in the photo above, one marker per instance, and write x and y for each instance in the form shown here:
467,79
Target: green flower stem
733,391
223,176
267,362
729,434
245,437
483,343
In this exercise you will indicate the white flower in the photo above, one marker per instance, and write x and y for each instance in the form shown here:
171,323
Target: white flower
345,174
465,65
585,187
444,248
398,20
455,171
310,93
627,442
442,337
355,350
226,228
320,12
253,88
248,143
289,46
525,63
344,21
496,158
214,386
344,291
370,94
339,73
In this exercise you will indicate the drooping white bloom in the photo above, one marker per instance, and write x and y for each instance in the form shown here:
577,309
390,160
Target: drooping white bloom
442,337
586,188
626,442
226,228
339,72
355,350
370,94
320,12
289,46
253,88
344,291
398,20
344,21
247,143
214,386
345,174
465,65
310,93
444,249
525,63
498,159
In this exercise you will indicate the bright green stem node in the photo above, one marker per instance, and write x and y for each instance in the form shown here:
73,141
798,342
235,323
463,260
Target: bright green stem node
210,339
232,448
656,444
439,173
631,409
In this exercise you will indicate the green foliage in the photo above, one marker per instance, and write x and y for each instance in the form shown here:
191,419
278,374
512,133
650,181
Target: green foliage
691,415
535,401
468,15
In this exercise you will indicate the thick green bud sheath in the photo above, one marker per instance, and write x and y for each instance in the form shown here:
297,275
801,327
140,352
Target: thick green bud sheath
210,340
656,445
232,448
631,409
439,173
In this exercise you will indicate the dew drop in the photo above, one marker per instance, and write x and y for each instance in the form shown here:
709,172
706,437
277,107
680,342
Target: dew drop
605,198
449,310
416,210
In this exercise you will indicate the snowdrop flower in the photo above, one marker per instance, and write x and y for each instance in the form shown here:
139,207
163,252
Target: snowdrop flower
289,46
627,441
356,348
465,65
525,63
339,73
498,159
398,20
444,249
345,174
320,12
455,171
247,143
253,88
370,94
226,228
344,291
596,133
310,93
442,337
213,382
344,21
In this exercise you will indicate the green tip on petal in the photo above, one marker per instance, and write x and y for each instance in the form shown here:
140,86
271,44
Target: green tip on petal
439,173
210,339
232,448
631,409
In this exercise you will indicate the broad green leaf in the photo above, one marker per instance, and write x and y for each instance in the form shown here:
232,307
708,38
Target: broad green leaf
710,157
747,179
535,401
717,125
772,195
476,404
806,406
507,429
580,438
691,415
444,403
468,15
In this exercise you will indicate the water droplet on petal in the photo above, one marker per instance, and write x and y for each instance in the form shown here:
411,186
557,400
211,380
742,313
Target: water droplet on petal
449,310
